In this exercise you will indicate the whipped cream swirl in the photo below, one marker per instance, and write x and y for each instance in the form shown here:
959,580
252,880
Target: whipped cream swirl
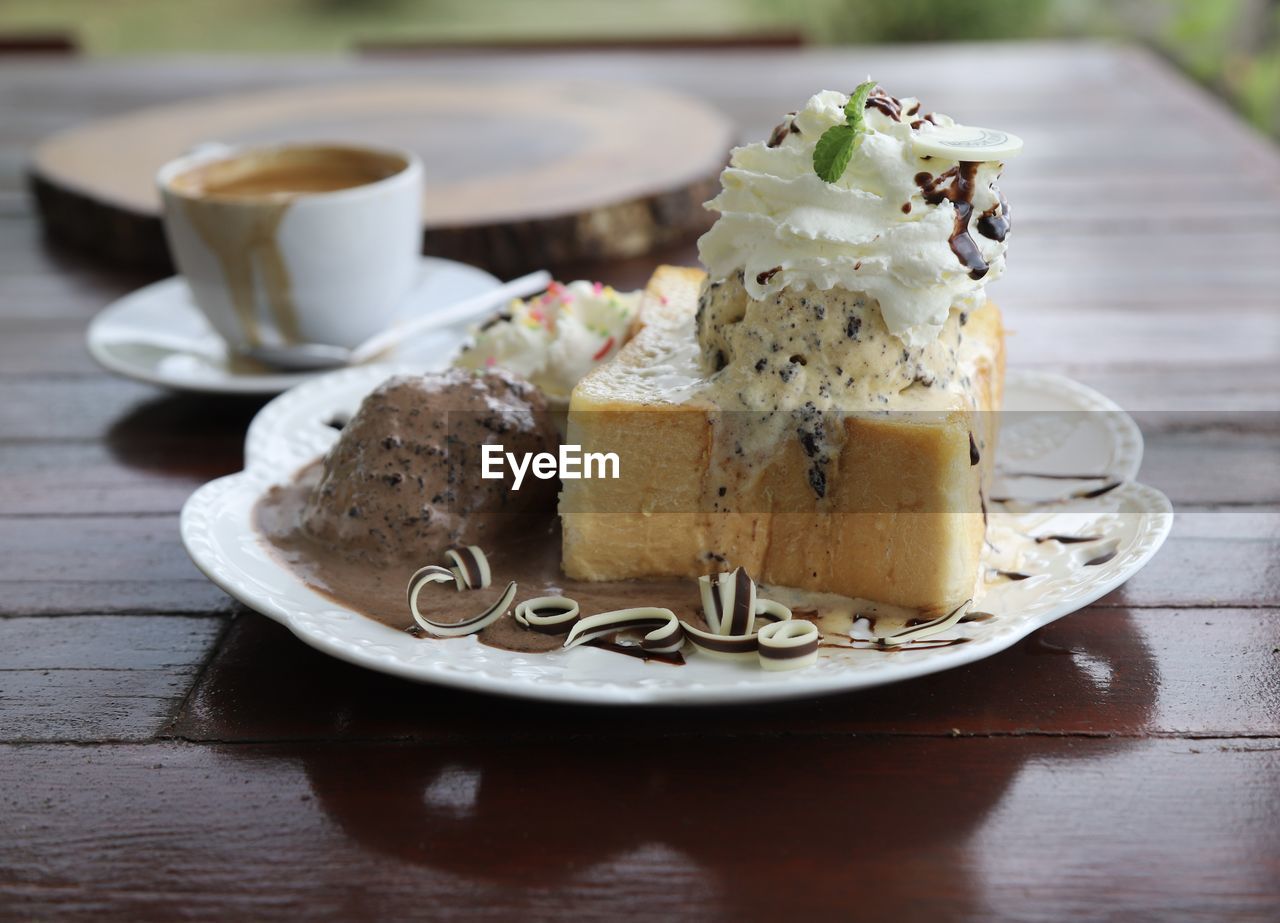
556,338
895,226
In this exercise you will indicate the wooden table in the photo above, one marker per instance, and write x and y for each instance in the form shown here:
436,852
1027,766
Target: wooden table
166,753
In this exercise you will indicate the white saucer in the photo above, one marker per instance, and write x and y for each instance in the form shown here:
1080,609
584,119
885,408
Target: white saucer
117,336
1083,431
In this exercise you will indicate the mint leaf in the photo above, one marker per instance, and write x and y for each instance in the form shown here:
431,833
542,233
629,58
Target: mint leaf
857,104
832,152
834,149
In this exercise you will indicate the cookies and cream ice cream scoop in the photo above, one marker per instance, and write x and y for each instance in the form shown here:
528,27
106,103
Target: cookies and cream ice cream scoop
405,480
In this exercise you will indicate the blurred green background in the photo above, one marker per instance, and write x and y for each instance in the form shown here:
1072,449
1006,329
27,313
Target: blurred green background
1231,46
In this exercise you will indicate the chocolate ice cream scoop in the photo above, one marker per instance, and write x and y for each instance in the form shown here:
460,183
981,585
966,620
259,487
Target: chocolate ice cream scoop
404,479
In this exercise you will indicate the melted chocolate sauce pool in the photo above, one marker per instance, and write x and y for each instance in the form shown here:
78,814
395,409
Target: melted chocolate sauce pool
528,554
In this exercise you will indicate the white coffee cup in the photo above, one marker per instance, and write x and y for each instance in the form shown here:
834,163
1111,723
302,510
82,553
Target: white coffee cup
299,243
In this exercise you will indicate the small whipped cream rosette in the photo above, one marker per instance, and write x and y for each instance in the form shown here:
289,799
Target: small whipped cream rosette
554,339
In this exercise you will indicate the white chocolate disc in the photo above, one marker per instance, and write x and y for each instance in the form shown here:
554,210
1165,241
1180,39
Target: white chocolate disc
966,142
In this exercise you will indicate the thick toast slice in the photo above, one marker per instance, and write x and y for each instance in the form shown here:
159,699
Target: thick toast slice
901,522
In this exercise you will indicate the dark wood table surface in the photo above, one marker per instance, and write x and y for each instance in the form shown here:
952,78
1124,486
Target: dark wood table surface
166,753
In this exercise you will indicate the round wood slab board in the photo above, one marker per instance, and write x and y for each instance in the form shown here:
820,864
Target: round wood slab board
519,175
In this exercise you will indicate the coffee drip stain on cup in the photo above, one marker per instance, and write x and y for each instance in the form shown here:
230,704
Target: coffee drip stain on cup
238,203
238,237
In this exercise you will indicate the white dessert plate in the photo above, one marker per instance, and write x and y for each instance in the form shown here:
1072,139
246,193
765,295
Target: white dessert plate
141,335
1089,434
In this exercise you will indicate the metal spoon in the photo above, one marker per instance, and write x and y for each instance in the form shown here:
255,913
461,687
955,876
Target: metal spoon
306,356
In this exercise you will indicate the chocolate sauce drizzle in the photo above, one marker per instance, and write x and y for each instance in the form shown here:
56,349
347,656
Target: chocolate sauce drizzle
885,103
956,186
1056,477
923,644
964,619
1075,495
786,127
994,222
1098,492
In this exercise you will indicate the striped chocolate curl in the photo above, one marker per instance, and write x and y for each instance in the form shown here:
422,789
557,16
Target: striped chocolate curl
432,573
722,647
748,647
470,571
789,645
466,626
471,565
664,634
552,615
926,629
732,609
729,602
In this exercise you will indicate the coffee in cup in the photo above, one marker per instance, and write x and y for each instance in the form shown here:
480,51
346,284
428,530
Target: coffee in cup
295,244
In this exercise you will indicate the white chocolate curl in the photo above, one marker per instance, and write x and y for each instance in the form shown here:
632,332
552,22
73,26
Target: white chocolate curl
730,603
472,572
737,603
432,573
471,565
666,635
467,626
548,614
722,647
927,629
789,645
733,635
